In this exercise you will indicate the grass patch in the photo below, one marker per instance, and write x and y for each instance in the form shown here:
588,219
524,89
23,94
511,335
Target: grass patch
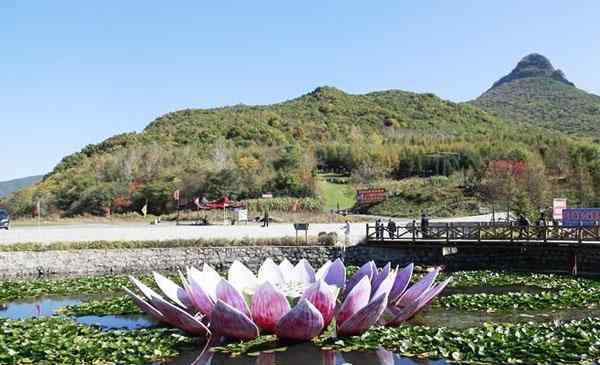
334,193
115,245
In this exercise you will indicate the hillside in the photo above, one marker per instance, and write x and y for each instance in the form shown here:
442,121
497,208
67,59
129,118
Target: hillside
537,93
242,151
7,187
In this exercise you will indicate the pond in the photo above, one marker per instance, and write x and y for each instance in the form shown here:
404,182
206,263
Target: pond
48,306
487,323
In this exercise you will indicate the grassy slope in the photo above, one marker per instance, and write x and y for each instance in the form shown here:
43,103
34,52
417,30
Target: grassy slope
336,195
544,102
438,196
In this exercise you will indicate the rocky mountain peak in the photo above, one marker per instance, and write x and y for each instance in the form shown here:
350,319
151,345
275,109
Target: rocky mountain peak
534,65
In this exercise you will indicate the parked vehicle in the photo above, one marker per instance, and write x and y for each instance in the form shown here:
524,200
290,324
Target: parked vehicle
4,219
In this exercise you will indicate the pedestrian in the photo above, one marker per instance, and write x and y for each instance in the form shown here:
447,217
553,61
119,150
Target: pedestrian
391,227
541,226
266,219
424,224
379,229
346,229
523,223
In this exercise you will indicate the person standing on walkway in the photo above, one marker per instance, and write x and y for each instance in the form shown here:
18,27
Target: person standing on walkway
424,224
391,227
346,232
266,219
379,229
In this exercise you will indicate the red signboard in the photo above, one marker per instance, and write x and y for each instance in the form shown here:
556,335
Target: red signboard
370,195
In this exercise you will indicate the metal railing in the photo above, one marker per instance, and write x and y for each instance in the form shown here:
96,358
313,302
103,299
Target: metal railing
483,231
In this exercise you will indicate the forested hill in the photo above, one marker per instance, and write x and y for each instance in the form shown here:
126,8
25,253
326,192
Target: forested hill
537,93
242,151
323,115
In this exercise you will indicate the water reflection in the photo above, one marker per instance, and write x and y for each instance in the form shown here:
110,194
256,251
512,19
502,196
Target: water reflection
48,306
305,354
112,322
40,307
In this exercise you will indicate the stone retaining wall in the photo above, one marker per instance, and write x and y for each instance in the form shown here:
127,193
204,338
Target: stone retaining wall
94,262
88,262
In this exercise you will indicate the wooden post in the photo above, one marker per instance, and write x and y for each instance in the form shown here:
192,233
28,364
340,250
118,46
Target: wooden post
447,232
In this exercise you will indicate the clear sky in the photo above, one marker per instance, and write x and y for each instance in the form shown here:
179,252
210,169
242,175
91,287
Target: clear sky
76,72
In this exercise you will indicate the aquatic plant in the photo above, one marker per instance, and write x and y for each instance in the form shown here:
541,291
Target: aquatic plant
293,302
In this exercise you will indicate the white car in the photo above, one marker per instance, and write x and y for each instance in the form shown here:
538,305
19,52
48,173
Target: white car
4,219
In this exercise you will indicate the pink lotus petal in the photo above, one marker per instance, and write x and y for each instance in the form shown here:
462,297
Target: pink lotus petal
148,293
201,301
367,270
355,300
322,296
433,292
379,276
303,272
172,290
302,323
401,283
386,285
180,318
146,307
398,315
230,295
269,271
227,321
207,280
268,306
414,292
336,274
364,318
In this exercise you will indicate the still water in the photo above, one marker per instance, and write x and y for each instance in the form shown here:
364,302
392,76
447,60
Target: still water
47,306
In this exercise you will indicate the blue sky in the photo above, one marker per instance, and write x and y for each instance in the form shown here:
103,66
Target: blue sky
72,73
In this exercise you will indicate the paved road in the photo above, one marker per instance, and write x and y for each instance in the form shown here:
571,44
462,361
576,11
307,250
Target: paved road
168,231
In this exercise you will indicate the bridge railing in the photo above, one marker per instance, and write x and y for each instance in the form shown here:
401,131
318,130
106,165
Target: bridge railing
483,231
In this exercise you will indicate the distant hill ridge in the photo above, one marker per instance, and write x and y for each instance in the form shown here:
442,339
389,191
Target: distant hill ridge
7,187
535,92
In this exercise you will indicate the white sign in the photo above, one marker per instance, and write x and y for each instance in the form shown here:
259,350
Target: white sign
558,205
267,196
241,215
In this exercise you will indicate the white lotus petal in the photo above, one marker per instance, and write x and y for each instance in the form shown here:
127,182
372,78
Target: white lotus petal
148,293
323,270
270,271
286,268
241,277
303,273
173,291
207,280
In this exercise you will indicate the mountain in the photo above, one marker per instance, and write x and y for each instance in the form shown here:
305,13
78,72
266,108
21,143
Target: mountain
7,187
242,151
535,92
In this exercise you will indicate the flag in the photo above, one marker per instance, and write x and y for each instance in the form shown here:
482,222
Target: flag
197,202
145,209
176,195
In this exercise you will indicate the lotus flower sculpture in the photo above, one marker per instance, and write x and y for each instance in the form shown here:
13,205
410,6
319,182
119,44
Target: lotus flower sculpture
293,302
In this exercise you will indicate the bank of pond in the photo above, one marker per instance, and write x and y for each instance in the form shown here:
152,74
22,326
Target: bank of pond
482,317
